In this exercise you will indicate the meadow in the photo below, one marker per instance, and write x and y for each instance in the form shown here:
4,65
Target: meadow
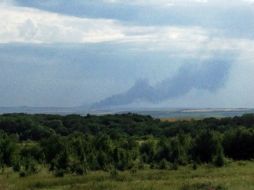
234,176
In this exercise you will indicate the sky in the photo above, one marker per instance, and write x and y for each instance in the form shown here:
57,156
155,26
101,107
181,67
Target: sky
140,53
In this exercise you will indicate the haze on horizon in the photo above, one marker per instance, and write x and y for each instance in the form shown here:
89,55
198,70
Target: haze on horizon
106,53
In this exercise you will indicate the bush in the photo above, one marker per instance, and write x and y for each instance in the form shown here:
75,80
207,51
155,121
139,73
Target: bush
164,165
133,170
79,168
202,186
113,173
16,167
59,173
219,160
27,167
141,165
207,146
174,166
22,174
194,166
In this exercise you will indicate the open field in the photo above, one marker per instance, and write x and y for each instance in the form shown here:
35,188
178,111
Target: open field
235,176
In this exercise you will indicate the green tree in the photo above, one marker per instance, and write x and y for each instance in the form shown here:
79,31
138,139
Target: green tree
7,150
206,146
219,159
148,150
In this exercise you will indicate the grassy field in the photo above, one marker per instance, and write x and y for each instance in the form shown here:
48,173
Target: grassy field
236,176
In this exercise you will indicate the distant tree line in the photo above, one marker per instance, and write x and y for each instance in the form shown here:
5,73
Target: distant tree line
75,144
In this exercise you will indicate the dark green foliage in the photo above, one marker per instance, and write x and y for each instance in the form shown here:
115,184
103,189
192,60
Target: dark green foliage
203,186
7,150
59,172
175,150
77,144
164,164
219,159
113,173
175,166
53,148
121,159
147,151
79,168
28,166
61,162
194,165
238,143
33,151
28,159
206,146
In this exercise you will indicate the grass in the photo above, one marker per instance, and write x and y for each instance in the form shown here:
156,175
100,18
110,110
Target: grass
236,176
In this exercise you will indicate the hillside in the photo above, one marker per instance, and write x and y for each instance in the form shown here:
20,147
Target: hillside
53,146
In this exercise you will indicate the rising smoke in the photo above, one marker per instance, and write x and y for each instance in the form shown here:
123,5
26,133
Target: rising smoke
209,75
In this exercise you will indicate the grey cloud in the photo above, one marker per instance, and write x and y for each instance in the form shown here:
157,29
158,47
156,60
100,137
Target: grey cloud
232,18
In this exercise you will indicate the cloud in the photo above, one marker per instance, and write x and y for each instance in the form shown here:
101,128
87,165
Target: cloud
209,75
29,25
231,17
93,49
6,2
179,2
26,25
250,1
157,2
35,26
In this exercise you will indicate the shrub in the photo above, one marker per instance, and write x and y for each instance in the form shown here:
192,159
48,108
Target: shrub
59,172
194,166
164,164
113,173
202,186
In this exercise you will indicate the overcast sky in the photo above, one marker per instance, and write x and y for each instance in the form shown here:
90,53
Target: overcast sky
163,53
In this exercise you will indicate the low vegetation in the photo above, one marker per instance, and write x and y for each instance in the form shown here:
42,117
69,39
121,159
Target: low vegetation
237,175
